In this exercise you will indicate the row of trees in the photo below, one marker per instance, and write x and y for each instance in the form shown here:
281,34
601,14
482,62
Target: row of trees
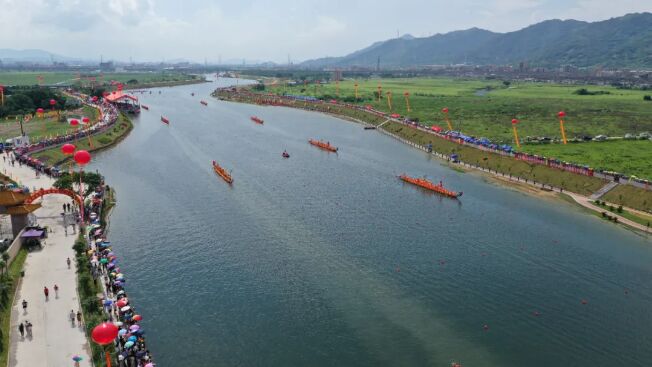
20,101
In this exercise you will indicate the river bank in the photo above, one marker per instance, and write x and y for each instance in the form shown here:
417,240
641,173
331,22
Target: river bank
328,252
540,178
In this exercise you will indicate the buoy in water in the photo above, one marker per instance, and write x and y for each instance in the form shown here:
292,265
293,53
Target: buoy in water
584,302
536,313
485,327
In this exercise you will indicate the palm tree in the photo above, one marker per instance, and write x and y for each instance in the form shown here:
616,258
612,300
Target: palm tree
2,268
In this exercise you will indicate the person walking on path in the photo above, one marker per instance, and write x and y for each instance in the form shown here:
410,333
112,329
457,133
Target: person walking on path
72,318
79,318
68,262
46,291
56,291
28,328
21,329
24,307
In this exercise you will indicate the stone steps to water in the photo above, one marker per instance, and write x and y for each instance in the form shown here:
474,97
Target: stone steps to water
605,189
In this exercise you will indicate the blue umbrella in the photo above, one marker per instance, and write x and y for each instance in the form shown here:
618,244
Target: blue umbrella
129,344
132,338
139,332
108,302
122,332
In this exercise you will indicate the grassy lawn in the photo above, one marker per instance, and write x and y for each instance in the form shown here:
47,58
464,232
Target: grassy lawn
576,183
68,78
630,196
632,157
5,312
38,128
100,141
634,217
489,114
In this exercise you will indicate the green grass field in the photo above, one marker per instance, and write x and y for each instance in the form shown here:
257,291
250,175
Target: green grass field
100,141
630,196
630,157
69,78
46,126
489,113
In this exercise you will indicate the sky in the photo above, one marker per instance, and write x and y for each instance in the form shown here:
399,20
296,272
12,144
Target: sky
214,30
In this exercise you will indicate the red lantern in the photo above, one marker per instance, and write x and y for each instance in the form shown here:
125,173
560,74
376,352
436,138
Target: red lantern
68,149
94,99
444,110
39,110
514,121
74,122
104,333
82,157
86,120
52,102
561,114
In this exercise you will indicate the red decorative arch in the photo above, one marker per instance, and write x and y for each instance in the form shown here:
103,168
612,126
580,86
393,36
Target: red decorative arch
71,194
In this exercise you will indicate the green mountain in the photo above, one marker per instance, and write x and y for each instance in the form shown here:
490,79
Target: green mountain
618,42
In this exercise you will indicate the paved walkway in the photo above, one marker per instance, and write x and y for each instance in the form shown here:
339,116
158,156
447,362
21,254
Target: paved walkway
587,203
54,340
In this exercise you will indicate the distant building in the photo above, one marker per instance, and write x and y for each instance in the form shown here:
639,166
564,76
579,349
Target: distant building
337,75
107,66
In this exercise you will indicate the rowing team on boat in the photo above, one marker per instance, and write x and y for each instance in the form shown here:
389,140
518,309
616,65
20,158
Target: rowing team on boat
257,120
428,185
222,173
204,103
323,145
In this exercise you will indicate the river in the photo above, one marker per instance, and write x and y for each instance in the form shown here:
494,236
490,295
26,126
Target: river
329,260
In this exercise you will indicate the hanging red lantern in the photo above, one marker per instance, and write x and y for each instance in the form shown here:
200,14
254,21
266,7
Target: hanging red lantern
94,99
68,149
39,110
514,121
444,110
82,157
74,122
104,333
561,114
53,102
86,120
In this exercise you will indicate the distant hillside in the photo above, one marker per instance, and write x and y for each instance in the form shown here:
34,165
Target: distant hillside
31,55
618,42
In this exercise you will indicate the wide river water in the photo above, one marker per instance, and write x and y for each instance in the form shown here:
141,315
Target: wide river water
329,260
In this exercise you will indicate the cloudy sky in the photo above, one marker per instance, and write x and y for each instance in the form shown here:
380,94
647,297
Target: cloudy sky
152,30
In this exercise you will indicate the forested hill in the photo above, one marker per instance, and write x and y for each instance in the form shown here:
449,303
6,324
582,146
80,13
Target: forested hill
618,42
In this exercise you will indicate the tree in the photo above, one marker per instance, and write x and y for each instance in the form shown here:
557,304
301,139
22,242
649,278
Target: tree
5,259
647,98
93,180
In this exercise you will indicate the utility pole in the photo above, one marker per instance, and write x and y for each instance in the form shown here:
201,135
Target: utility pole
378,64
